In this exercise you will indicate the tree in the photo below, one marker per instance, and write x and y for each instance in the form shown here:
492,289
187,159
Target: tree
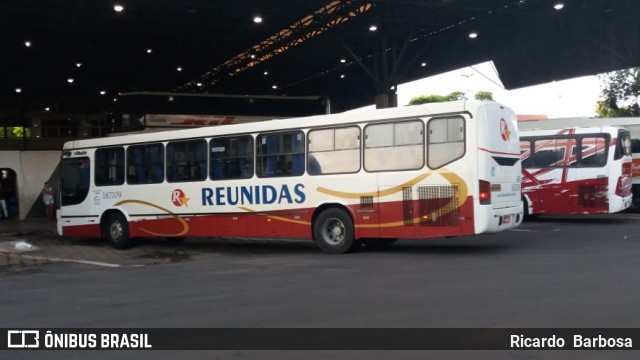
484,95
456,95
621,93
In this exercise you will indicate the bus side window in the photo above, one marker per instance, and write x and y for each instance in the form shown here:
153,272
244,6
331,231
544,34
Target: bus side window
593,152
334,151
231,157
280,154
109,166
145,164
446,141
186,160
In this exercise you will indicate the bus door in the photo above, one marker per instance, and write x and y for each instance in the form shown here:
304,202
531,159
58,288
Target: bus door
592,176
552,175
76,203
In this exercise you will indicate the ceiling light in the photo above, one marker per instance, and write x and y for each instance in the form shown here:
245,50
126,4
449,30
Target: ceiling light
70,80
179,68
343,60
473,35
149,51
78,65
18,90
118,8
257,19
373,28
266,73
27,43
341,76
47,108
102,92
274,86
558,6
423,64
199,84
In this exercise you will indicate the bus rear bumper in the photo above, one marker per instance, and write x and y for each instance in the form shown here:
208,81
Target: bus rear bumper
496,220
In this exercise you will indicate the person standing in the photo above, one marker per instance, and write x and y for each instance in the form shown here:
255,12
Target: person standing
3,202
47,198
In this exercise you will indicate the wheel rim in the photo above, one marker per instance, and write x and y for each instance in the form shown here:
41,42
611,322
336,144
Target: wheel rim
115,231
333,231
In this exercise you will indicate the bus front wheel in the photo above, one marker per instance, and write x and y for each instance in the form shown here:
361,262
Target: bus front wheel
333,231
116,231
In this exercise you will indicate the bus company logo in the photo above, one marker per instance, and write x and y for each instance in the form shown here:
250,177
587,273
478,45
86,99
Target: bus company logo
19,339
504,130
178,198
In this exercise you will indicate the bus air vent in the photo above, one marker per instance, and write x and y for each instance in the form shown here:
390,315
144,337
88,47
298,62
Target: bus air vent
438,205
505,161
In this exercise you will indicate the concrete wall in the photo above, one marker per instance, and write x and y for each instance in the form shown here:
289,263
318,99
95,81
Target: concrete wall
32,169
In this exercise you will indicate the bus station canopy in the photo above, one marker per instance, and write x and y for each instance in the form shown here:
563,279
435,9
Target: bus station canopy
63,53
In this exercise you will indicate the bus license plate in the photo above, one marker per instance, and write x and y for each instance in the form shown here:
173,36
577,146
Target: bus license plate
506,219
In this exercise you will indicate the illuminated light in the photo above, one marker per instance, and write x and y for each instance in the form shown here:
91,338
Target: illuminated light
114,99
341,76
373,28
558,6
78,65
343,60
274,86
47,108
252,56
473,35
18,90
266,73
257,19
199,84
118,8
485,192
179,68
27,43
149,51
102,92
70,80
170,98
423,64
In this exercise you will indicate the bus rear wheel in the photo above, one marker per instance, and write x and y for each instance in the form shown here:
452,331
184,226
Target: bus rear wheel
116,231
333,231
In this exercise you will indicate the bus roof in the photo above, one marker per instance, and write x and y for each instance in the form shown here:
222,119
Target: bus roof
290,123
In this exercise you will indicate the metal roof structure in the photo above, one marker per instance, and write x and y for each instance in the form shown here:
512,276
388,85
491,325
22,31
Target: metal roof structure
311,47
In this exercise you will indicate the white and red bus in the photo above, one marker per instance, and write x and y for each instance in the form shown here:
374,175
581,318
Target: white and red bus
433,170
630,123
576,170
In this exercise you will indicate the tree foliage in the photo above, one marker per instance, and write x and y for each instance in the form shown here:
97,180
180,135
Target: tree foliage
484,95
621,93
456,95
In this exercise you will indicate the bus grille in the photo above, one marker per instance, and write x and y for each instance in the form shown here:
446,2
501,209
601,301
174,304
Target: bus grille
366,202
505,161
438,205
407,206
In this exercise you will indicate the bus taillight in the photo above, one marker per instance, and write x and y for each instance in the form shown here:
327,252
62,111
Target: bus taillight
485,192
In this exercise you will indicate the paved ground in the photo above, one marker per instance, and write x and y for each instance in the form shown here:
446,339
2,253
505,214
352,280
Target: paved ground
553,272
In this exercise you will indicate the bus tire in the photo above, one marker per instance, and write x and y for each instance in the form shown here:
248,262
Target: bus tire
333,231
116,231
